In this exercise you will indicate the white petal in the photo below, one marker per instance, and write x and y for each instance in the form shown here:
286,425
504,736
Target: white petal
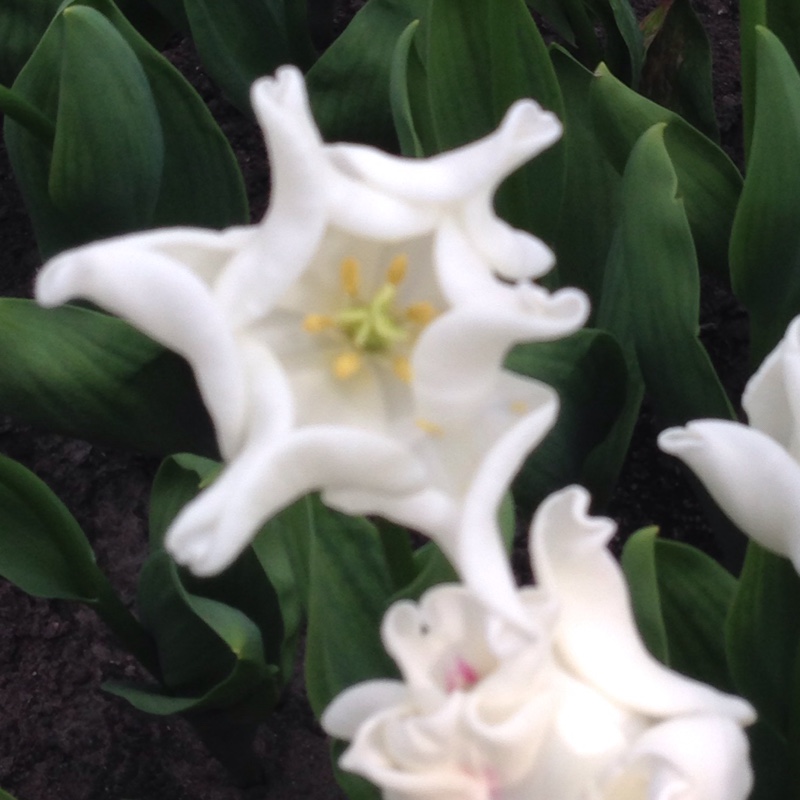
595,632
772,396
169,301
696,758
350,709
293,228
511,253
749,475
524,132
368,756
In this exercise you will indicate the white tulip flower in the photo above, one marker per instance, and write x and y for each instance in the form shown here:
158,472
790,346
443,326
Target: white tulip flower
353,341
574,708
753,472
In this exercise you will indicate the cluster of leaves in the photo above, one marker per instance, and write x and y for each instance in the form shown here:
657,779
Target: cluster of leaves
638,200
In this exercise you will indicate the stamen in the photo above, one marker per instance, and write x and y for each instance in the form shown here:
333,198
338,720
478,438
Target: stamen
420,313
401,367
431,428
519,407
397,269
350,273
316,323
345,365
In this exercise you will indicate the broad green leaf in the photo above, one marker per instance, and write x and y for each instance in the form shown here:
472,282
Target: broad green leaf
708,181
88,375
173,11
87,82
44,552
639,565
772,762
17,108
659,265
23,23
681,599
557,15
178,480
108,151
765,244
782,17
244,585
588,371
201,183
211,654
350,589
591,188
624,45
349,84
482,55
241,40
282,549
42,548
410,144
763,635
677,71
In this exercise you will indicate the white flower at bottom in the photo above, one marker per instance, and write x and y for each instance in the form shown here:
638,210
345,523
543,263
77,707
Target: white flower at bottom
753,471
353,341
573,709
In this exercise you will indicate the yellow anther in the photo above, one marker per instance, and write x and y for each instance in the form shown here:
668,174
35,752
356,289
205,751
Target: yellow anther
519,407
420,313
401,367
350,273
431,428
345,365
397,269
316,323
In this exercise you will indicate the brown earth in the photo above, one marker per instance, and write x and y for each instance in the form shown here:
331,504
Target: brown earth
61,736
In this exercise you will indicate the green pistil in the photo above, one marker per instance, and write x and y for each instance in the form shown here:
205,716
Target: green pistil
372,326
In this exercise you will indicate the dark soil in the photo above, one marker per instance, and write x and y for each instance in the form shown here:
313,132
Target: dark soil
61,736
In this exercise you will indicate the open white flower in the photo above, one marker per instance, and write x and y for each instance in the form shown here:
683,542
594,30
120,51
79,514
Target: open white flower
753,473
352,341
574,709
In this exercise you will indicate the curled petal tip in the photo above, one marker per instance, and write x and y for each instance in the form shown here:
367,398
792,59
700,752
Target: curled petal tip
527,121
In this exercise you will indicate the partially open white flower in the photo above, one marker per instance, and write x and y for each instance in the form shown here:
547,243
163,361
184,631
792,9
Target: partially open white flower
574,709
352,341
753,473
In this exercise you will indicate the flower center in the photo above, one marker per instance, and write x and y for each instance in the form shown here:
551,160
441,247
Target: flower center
374,325
460,675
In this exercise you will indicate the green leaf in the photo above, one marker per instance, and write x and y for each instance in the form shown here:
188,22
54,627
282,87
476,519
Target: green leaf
588,371
350,589
591,186
765,244
763,638
88,375
677,72
23,23
657,261
108,150
410,144
639,565
201,184
42,548
482,55
244,585
709,183
197,182
349,84
241,40
782,17
681,599
624,44
211,654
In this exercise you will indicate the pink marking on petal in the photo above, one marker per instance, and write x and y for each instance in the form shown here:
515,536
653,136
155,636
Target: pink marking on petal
462,675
